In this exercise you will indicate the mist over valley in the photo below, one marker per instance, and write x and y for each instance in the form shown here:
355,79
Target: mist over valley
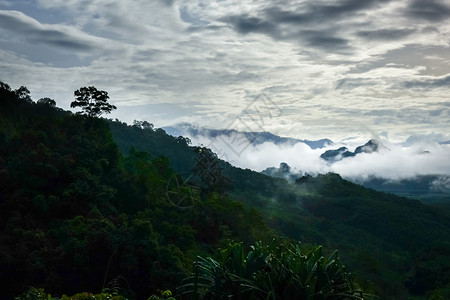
417,167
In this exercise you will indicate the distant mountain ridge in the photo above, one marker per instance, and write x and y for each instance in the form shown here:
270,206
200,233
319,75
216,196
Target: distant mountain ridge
255,138
371,146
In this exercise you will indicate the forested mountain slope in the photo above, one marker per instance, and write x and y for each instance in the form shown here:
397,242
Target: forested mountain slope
389,241
88,204
76,215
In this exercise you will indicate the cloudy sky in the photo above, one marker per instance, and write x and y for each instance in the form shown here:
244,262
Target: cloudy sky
307,69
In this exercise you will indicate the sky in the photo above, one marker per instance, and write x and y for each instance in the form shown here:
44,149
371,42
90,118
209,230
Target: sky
308,69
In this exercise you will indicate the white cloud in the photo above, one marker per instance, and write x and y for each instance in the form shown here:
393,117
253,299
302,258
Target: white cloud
333,68
423,156
398,163
441,184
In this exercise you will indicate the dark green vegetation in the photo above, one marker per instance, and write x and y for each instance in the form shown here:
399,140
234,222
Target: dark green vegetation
90,205
276,271
76,215
431,189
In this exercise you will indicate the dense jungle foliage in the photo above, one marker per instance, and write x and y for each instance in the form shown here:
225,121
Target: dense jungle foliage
90,205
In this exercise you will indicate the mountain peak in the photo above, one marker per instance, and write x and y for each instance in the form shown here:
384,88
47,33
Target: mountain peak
335,155
371,146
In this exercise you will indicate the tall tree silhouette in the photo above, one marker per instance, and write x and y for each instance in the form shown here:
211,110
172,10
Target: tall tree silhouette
93,102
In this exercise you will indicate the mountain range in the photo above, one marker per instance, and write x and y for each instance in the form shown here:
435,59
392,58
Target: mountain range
255,138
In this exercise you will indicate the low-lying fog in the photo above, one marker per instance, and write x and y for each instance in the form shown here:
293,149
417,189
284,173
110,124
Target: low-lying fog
393,161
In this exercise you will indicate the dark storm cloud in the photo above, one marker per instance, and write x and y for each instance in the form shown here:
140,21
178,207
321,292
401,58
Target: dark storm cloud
24,27
430,10
324,41
381,113
352,83
288,24
436,112
197,28
430,29
313,12
348,6
385,34
60,39
428,83
277,15
167,2
245,24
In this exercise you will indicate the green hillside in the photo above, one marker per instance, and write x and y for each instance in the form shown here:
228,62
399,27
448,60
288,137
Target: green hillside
76,215
91,205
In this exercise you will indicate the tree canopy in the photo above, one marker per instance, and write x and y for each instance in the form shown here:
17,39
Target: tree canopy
93,102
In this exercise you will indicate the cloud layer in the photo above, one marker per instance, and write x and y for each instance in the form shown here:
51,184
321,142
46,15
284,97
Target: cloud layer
334,69
416,156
